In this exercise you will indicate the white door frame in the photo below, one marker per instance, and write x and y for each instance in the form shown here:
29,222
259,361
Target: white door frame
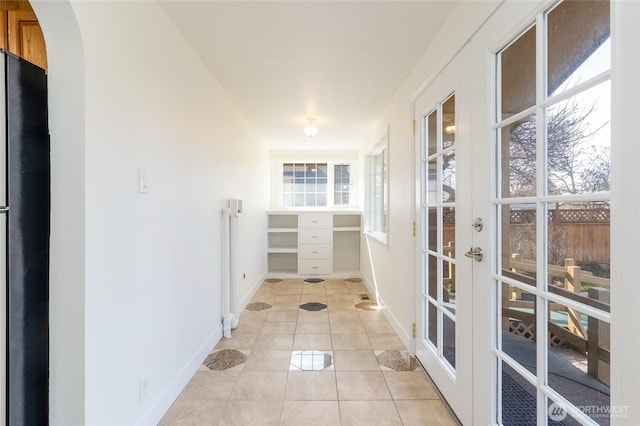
625,199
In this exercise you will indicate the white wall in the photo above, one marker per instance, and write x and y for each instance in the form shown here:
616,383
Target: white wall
67,279
149,305
393,265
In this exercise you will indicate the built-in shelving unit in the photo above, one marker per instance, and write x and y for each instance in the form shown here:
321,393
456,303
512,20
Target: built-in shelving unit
282,249
347,234
314,243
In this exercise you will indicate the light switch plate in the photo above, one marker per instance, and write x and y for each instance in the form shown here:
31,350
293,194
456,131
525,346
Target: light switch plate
143,180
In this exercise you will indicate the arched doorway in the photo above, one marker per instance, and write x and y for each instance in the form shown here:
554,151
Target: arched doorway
65,64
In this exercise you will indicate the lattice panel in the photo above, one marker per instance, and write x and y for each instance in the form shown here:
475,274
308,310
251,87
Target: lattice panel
528,331
563,216
523,216
521,329
585,216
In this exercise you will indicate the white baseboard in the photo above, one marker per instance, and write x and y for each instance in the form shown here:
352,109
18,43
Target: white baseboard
161,405
245,301
404,336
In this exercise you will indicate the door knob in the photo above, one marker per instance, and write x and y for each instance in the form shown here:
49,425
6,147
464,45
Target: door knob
475,253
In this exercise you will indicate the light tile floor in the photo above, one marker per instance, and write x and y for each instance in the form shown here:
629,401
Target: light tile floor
248,379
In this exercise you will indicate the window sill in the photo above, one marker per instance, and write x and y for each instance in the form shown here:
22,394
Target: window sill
380,237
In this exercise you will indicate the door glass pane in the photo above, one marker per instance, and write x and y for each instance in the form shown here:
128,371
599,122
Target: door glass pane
449,340
579,245
579,142
433,277
433,229
449,286
518,325
578,358
432,324
449,177
518,158
432,182
449,232
579,43
432,133
518,75
449,122
519,402
519,241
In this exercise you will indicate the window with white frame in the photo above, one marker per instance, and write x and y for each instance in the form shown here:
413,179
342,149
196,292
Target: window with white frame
377,197
304,184
341,184
317,184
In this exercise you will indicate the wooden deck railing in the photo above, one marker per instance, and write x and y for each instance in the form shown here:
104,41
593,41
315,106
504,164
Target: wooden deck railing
566,282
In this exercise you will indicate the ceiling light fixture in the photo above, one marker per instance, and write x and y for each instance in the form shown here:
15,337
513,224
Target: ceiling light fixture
311,130
450,130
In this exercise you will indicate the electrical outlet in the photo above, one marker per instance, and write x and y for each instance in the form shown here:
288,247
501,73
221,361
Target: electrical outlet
144,389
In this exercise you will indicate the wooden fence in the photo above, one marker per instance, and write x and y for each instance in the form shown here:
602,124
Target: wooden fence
576,229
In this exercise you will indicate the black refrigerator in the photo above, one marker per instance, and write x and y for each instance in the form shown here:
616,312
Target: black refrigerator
25,200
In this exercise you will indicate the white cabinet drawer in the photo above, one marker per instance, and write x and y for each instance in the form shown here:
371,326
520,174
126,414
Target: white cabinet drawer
314,251
313,266
315,220
315,236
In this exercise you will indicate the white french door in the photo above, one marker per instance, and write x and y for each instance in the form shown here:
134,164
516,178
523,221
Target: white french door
444,329
513,216
550,203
